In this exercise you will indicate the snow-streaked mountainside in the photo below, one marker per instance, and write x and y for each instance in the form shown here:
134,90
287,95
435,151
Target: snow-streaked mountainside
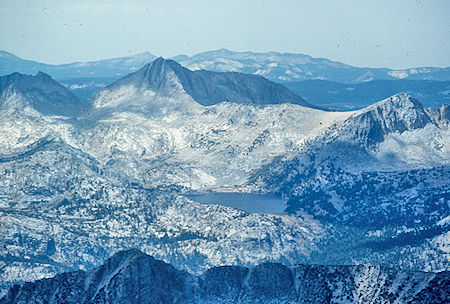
39,92
383,174
392,138
74,191
370,126
133,277
163,78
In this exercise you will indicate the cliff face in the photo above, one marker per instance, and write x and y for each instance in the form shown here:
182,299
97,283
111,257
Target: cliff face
133,277
371,125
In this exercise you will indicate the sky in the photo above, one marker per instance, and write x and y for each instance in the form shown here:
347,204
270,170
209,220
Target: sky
372,33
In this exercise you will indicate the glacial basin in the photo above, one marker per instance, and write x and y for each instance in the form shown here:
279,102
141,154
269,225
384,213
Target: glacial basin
248,202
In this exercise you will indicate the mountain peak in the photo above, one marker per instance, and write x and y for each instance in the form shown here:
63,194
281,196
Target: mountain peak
397,113
155,75
400,108
43,76
159,59
143,55
42,93
160,63
167,77
400,100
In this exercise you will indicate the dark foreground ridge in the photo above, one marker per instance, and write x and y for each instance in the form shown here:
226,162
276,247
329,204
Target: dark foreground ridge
134,277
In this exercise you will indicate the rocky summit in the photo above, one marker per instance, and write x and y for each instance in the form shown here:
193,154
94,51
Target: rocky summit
167,78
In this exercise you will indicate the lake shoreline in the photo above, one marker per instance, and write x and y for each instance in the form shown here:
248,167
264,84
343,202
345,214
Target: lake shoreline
267,203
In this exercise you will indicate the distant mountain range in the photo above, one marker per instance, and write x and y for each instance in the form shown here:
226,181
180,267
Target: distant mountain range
295,67
321,81
111,68
272,65
82,180
133,277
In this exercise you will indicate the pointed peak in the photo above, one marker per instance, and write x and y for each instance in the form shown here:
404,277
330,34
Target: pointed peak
157,62
155,76
144,55
43,76
402,96
160,65
162,60
400,105
397,101
397,113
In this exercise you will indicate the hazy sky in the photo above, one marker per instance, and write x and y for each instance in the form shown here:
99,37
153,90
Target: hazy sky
391,33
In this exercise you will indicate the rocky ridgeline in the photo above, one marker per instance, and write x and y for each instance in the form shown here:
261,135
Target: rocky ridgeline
133,277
